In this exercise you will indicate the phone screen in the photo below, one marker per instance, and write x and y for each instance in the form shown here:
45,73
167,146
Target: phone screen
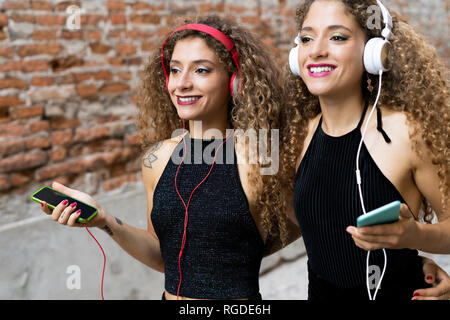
53,198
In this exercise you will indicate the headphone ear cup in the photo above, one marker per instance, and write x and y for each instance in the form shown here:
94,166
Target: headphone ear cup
234,85
293,61
377,53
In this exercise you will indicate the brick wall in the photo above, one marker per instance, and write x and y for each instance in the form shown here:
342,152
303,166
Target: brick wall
67,96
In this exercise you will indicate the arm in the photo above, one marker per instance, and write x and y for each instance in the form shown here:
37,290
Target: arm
141,244
407,232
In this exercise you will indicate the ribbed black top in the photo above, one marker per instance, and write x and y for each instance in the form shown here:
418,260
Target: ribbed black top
223,251
326,201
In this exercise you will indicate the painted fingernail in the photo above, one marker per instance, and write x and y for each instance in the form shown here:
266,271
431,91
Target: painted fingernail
42,204
78,211
65,202
73,205
429,278
416,294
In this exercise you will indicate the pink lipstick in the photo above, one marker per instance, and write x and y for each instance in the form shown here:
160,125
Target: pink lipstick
187,100
320,70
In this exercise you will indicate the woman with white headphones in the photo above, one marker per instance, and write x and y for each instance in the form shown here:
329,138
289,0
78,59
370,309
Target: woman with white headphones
344,70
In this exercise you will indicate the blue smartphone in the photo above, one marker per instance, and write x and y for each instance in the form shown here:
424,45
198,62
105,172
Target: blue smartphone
386,214
54,197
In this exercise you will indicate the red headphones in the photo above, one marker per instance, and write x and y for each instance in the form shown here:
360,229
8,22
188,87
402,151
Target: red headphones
235,85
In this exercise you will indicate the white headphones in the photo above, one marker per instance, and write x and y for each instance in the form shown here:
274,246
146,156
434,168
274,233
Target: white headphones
377,51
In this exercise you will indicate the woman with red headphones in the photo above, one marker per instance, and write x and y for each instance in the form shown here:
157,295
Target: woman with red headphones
212,214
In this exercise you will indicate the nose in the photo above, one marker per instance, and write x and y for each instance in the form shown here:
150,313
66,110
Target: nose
319,48
183,81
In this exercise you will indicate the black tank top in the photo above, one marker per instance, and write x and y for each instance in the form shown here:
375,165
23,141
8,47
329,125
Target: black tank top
326,202
223,251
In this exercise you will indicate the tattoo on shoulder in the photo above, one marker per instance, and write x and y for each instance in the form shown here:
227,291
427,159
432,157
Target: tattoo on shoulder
150,156
118,221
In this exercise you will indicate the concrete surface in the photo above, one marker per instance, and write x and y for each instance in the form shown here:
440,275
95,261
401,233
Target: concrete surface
37,254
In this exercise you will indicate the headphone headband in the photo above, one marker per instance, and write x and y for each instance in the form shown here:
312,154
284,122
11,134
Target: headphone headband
213,32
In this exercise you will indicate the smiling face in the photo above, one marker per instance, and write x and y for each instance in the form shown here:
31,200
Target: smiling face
331,50
198,82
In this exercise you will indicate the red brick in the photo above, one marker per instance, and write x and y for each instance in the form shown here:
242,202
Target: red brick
51,20
23,161
5,183
61,138
58,155
25,66
27,112
42,81
11,147
6,52
145,18
61,123
2,35
94,35
39,126
62,6
36,49
125,75
86,90
92,19
117,182
19,179
15,5
38,143
102,75
12,130
3,20
114,88
85,135
115,5
41,5
14,83
126,49
9,101
44,35
53,171
118,19
71,34
21,18
100,48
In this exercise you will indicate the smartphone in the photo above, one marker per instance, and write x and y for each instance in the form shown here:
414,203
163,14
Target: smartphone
53,198
386,214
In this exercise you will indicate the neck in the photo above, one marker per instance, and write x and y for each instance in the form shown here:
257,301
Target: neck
202,130
341,115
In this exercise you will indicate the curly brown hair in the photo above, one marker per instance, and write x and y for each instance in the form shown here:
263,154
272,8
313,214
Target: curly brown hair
258,106
416,85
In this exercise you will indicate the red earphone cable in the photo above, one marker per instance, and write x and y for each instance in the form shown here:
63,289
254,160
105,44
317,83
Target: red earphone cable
104,260
186,216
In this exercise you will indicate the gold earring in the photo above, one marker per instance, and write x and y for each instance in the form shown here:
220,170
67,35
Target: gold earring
369,84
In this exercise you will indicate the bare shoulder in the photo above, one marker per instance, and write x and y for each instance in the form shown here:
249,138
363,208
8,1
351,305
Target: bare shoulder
155,160
397,123
408,134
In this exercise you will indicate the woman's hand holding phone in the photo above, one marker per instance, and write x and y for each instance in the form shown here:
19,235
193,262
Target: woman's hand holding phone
405,233
67,213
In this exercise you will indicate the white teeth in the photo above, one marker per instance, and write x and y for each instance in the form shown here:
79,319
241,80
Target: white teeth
189,99
321,69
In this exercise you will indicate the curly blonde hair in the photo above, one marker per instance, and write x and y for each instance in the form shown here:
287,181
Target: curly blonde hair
258,106
416,85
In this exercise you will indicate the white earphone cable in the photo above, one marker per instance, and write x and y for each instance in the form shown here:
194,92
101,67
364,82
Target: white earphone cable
358,181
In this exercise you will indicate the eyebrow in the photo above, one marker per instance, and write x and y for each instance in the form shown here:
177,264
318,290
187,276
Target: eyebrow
195,61
332,27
